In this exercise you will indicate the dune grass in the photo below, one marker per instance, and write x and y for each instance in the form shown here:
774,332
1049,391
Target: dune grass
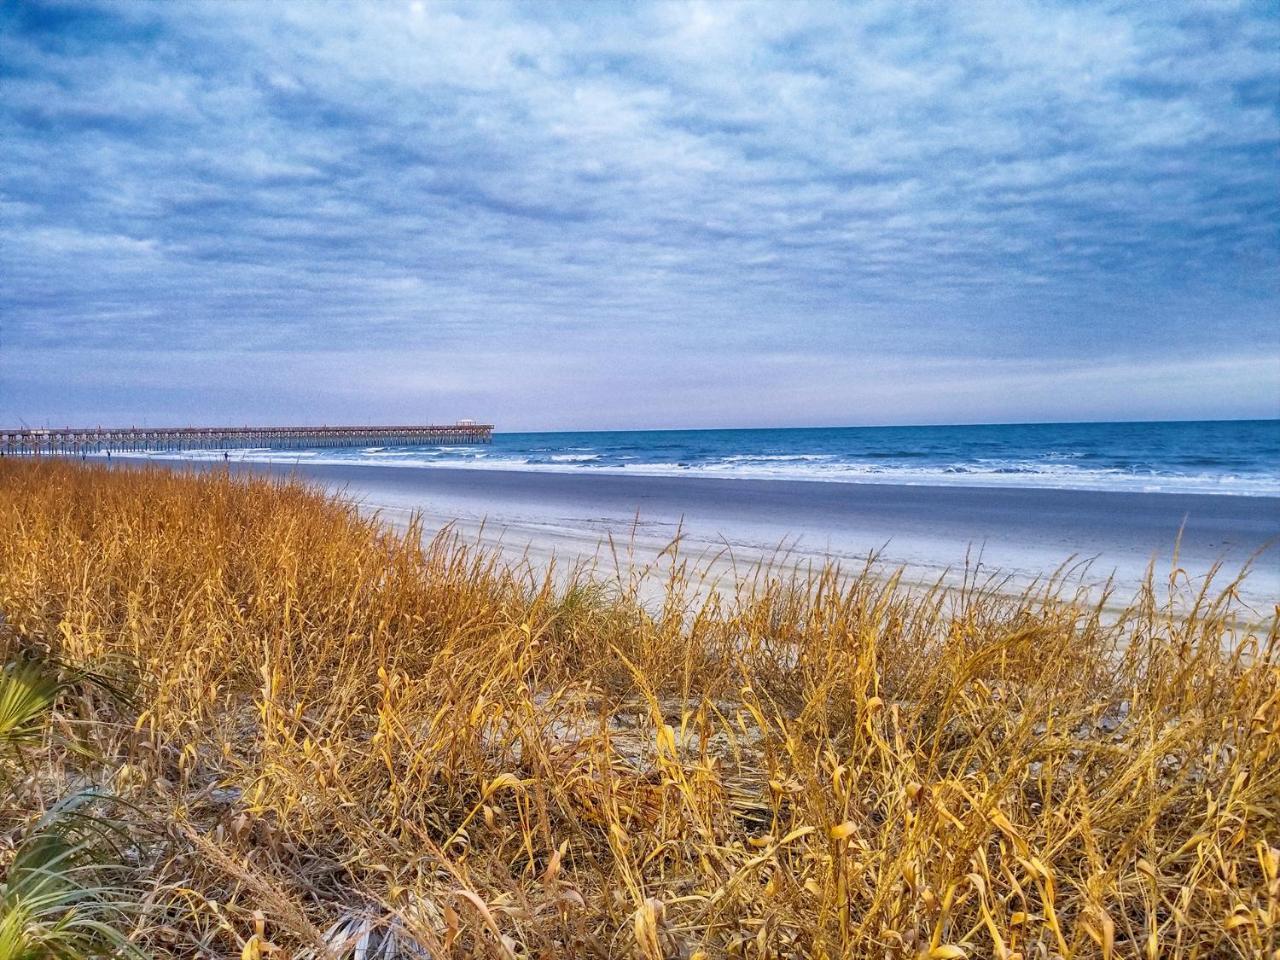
327,737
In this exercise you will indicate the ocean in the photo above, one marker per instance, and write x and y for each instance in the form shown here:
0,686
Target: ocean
1239,457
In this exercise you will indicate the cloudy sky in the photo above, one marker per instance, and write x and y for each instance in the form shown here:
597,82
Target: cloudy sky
615,215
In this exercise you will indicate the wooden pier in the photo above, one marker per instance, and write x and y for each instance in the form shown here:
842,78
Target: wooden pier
74,441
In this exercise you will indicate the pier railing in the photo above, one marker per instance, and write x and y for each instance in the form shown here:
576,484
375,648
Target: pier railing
73,440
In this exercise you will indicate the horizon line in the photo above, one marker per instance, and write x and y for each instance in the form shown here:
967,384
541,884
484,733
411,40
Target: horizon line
702,429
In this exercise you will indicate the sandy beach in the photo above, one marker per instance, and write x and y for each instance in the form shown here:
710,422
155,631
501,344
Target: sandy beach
1022,534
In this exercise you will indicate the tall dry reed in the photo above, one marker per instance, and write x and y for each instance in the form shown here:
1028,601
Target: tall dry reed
335,735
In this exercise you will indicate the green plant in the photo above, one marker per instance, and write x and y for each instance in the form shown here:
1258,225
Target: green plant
28,691
63,889
65,894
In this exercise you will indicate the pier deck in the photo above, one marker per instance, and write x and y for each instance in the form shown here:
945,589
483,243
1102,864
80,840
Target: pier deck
73,440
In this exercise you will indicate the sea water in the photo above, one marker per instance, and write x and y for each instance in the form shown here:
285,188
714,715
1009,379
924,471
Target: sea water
1239,457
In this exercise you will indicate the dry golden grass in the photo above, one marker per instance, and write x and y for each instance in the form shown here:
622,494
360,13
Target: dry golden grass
334,730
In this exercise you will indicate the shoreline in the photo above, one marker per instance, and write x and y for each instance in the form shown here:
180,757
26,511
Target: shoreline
1186,486
1024,534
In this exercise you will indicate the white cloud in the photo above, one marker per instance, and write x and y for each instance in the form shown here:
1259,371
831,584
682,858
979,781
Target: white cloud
998,181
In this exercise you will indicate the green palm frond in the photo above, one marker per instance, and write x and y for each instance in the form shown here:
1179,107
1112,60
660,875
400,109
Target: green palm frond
28,691
64,895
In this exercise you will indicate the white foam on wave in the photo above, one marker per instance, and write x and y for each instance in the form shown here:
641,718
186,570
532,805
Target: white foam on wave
991,472
250,454
1064,477
777,457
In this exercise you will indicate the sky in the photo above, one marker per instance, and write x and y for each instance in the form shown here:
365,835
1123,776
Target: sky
559,216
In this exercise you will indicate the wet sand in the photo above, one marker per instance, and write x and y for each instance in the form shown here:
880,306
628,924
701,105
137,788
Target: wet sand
1021,534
